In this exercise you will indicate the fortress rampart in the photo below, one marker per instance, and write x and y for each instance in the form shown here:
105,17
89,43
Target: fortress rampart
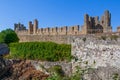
92,25
52,38
65,30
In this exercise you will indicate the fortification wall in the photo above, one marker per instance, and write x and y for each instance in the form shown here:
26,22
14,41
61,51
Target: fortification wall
22,32
92,25
65,30
57,34
53,38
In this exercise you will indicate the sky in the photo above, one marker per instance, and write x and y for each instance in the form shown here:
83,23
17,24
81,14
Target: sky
52,13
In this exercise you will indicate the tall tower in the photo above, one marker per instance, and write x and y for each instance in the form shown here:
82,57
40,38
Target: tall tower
30,30
86,23
107,21
35,26
107,18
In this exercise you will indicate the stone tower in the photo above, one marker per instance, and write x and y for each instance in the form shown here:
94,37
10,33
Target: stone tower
30,30
107,22
107,18
19,27
86,23
35,26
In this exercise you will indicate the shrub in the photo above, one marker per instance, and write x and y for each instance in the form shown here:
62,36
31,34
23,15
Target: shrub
84,39
116,76
57,69
103,37
45,51
78,75
54,76
8,36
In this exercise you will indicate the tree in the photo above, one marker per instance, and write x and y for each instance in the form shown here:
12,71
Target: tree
8,36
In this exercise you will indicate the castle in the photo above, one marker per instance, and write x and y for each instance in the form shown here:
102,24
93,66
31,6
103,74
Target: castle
92,25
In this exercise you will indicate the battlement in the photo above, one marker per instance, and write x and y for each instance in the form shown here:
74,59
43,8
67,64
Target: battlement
65,30
22,32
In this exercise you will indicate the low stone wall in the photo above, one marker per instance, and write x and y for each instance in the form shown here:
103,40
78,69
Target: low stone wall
102,55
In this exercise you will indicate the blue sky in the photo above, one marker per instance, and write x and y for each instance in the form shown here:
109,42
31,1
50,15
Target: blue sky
51,13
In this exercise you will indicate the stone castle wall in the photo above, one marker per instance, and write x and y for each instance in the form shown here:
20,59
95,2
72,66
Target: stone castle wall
92,25
72,30
57,39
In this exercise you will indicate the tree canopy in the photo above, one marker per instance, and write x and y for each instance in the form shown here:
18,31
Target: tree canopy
8,36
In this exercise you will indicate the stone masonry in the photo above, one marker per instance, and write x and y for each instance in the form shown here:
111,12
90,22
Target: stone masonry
92,25
101,57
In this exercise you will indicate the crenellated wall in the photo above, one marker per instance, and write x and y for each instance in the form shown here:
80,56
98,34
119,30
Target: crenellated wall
22,32
65,30
92,25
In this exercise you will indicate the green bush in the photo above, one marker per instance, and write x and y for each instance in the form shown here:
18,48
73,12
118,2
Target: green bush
54,76
8,36
56,73
57,69
78,75
45,51
84,39
103,37
116,76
